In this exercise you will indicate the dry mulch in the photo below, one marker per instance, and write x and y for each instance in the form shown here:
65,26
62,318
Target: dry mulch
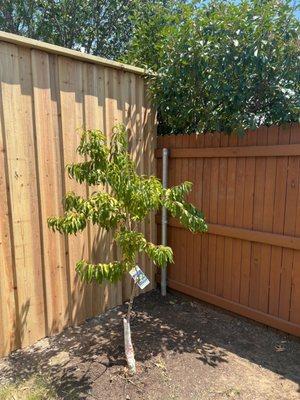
184,349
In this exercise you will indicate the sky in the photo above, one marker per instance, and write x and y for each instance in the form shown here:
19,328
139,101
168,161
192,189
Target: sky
296,3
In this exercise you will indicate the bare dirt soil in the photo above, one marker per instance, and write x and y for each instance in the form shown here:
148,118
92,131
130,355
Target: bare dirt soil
184,349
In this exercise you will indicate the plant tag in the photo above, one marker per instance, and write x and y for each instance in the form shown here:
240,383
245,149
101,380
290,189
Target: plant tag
139,277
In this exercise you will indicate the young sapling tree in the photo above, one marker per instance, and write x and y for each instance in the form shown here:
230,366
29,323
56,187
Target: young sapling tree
129,199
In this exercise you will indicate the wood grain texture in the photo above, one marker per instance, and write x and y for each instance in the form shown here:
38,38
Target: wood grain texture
229,152
49,167
9,330
249,191
17,110
264,318
47,95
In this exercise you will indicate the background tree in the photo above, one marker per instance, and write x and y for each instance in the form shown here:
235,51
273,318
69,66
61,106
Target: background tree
130,199
152,24
225,66
99,27
19,17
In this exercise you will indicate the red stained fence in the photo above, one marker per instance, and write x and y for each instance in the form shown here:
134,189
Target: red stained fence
248,188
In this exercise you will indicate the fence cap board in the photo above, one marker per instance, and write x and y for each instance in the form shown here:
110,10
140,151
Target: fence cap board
62,51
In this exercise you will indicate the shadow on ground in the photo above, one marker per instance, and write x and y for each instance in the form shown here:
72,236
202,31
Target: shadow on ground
78,359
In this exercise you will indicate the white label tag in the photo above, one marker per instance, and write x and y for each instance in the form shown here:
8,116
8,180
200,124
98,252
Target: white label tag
139,277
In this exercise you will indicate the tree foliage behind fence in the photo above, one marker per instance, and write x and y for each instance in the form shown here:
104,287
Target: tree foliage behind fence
225,66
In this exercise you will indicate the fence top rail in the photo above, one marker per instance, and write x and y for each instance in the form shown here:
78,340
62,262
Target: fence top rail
245,151
63,51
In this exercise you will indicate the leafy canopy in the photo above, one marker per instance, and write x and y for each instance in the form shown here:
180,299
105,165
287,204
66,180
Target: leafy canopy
130,198
99,27
222,66
152,23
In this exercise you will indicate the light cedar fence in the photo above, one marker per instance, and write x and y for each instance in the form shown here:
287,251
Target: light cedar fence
248,188
46,94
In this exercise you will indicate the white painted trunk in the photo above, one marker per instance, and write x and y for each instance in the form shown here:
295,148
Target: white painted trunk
129,352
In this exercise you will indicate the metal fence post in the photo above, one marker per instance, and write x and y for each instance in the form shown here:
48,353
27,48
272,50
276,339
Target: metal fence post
164,219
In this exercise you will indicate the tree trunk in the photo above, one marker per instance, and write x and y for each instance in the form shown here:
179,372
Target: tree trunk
129,351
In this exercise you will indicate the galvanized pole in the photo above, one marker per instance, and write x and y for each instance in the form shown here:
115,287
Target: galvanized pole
164,219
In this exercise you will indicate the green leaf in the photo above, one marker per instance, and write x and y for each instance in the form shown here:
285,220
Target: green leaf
128,199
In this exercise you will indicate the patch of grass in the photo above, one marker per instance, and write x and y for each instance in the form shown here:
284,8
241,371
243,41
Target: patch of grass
231,392
35,388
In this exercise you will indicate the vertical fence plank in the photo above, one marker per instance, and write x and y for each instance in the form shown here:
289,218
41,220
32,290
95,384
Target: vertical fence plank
229,220
238,221
111,119
49,167
119,95
186,235
140,161
9,331
267,220
278,223
146,153
152,128
214,190
58,141
292,188
221,220
179,235
206,209
295,294
71,103
247,220
258,207
16,93
93,119
191,239
198,189
128,110
171,237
